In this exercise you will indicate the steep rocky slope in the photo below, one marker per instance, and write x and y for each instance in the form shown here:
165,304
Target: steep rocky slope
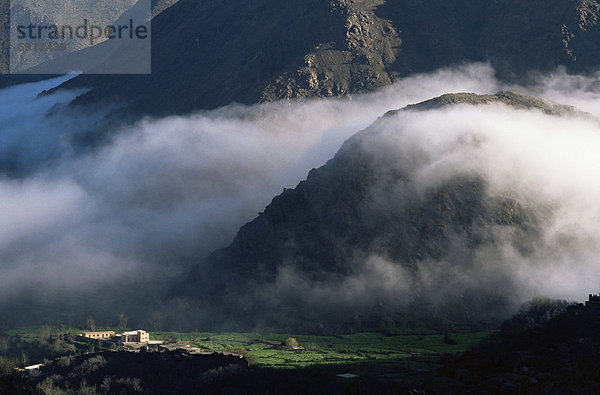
322,236
206,55
104,14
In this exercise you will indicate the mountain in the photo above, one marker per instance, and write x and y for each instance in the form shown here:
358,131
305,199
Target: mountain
53,12
513,99
211,53
360,236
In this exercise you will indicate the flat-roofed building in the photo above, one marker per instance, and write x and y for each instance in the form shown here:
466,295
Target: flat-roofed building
99,335
139,336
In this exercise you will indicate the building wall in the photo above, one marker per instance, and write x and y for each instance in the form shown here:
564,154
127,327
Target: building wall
99,335
138,336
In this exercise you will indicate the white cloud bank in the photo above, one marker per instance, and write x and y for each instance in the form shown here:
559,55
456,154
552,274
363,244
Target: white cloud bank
166,192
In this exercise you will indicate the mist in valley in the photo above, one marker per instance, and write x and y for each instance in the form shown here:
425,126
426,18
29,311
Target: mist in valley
115,227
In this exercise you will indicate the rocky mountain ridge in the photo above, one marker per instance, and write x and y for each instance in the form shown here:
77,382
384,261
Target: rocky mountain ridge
330,226
206,56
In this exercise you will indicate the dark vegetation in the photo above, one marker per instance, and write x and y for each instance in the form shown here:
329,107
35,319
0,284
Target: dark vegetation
47,344
149,373
542,349
126,372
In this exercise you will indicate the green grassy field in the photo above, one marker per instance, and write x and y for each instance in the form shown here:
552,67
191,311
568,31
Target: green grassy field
359,353
361,350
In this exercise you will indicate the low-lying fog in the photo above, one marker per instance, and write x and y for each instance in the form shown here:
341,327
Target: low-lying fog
115,225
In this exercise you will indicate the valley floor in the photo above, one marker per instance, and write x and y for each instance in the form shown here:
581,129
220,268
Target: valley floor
371,360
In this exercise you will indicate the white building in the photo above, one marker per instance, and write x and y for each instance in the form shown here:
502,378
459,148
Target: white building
139,336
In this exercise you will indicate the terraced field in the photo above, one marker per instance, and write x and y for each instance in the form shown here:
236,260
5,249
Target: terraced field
414,350
361,350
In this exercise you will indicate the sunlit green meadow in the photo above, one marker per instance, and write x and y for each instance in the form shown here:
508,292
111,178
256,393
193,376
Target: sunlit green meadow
360,352
413,351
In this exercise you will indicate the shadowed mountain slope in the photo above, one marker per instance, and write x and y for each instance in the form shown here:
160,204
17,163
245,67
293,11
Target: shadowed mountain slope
361,216
157,6
211,53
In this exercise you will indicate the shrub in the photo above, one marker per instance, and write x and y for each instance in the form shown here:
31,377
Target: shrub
291,342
